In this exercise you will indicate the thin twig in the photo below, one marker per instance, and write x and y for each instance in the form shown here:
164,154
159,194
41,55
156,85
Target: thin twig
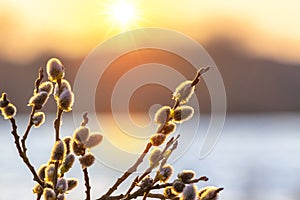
57,123
163,162
30,124
132,169
202,178
22,155
172,141
199,73
87,184
145,195
39,195
133,184
149,170
55,175
85,170
85,119
160,186
39,80
150,195
156,196
142,191
59,113
176,104
139,192
165,158
117,197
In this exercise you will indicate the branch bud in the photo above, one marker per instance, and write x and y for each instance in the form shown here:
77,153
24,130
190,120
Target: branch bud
61,185
87,160
58,151
66,100
38,119
46,86
49,194
67,163
162,115
157,139
72,183
184,92
209,193
183,113
93,140
9,111
55,70
189,193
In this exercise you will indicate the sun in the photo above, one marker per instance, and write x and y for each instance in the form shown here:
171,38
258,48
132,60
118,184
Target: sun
122,14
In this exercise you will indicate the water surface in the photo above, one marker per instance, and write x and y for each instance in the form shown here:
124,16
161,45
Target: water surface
257,157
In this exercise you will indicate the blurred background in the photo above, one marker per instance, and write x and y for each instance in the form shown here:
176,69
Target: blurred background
255,45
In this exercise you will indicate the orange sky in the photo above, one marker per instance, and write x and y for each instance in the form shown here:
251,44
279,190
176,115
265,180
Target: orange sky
266,28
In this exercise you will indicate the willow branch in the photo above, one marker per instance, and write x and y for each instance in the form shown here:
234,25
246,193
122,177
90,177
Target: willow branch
87,184
150,195
164,160
149,170
172,141
156,196
57,123
22,154
142,191
202,178
160,186
85,170
30,124
132,169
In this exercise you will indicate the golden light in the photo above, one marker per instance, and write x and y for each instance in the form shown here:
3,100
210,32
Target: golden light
122,13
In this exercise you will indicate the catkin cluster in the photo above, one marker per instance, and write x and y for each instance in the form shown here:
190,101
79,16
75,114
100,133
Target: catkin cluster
57,185
7,109
63,153
83,141
183,188
62,92
167,117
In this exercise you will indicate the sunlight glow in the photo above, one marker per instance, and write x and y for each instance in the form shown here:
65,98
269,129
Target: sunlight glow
122,13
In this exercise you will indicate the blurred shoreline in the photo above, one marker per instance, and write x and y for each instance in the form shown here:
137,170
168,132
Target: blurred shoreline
253,84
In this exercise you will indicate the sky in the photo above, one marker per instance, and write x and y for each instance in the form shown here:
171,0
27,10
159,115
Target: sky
75,27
